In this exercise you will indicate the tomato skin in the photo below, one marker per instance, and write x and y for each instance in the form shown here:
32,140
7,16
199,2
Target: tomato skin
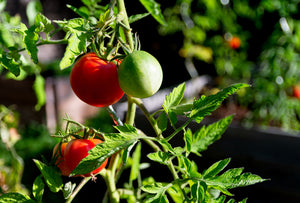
296,91
95,81
140,74
235,42
76,150
58,155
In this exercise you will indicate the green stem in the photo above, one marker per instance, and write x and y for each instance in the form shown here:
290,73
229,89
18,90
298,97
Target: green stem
78,188
130,116
178,129
123,14
109,177
151,120
62,41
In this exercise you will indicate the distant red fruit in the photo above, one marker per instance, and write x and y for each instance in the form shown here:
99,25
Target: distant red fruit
235,42
296,91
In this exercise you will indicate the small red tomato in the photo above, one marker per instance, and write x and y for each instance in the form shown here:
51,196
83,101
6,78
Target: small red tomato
58,156
235,42
296,91
76,150
95,81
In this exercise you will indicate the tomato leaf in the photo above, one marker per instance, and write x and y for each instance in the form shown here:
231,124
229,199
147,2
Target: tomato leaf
137,17
43,24
14,197
207,135
113,143
198,190
135,168
78,11
39,89
233,178
162,121
172,100
216,168
9,63
160,157
78,31
38,188
30,38
51,175
154,9
159,190
205,105
189,167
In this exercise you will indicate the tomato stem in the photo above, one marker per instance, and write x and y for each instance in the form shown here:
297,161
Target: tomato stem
123,13
130,116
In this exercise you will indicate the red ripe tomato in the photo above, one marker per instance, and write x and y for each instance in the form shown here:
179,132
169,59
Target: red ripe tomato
235,42
58,155
76,150
95,81
296,91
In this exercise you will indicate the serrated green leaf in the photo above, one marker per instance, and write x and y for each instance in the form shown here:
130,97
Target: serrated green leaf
43,24
205,105
189,167
77,44
78,11
215,168
155,187
188,140
161,157
51,175
39,89
162,122
234,178
113,143
181,109
38,188
79,37
10,64
198,190
175,193
14,197
154,9
126,152
135,168
207,135
137,17
30,39
159,190
174,98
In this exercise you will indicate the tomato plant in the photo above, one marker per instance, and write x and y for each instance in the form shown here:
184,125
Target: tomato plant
95,81
103,34
140,74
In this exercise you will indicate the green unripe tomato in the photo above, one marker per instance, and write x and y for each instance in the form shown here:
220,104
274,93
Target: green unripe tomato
140,74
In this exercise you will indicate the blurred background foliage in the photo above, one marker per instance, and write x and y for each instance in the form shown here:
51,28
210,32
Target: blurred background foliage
266,56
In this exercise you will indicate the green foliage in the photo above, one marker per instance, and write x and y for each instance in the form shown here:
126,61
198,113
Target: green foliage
106,31
267,57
